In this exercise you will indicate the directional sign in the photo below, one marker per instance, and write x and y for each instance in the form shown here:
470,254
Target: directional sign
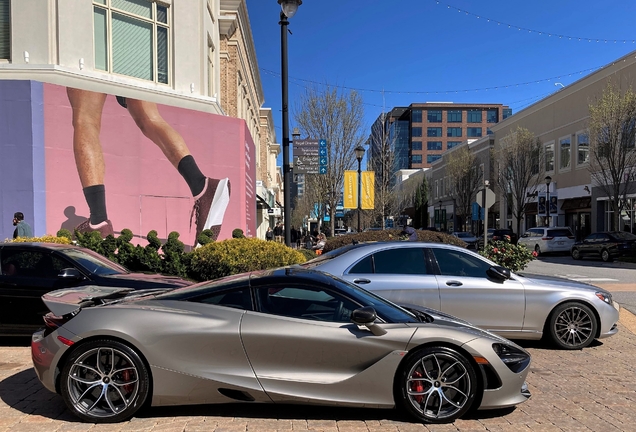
323,160
322,143
323,170
307,151
323,151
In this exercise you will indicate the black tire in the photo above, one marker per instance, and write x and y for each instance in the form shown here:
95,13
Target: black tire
119,379
419,386
572,326
605,255
576,254
537,249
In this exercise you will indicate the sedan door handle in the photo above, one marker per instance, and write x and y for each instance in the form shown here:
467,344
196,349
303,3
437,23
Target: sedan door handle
453,283
361,281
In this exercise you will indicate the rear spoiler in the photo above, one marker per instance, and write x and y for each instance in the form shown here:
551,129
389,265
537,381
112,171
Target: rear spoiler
65,301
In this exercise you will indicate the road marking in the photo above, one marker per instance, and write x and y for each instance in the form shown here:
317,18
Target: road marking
581,278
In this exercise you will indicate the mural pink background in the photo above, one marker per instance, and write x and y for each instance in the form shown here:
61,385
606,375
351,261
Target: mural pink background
143,190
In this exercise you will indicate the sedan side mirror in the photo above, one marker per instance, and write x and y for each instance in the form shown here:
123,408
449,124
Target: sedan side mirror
498,273
70,273
366,316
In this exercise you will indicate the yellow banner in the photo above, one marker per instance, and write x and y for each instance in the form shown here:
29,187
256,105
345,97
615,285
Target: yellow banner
350,199
368,190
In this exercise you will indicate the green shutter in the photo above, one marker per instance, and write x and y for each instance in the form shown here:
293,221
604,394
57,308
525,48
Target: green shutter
5,29
132,47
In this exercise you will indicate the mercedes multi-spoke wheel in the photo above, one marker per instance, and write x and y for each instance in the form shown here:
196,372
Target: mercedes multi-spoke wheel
436,385
576,254
572,326
605,255
104,381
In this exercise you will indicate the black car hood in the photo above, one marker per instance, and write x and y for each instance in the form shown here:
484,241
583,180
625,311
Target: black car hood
145,280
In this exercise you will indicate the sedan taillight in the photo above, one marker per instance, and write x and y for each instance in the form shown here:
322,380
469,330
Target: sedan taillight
547,238
53,321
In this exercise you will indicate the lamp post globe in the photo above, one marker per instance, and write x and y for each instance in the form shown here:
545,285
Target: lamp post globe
288,9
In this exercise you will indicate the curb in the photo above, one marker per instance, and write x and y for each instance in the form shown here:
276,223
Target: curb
627,319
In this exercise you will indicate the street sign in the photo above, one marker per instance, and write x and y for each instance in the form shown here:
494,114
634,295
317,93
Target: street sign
310,156
490,198
323,170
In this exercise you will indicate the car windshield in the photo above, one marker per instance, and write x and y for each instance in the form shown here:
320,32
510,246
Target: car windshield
94,263
463,234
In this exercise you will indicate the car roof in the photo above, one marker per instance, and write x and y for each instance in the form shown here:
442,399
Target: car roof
45,245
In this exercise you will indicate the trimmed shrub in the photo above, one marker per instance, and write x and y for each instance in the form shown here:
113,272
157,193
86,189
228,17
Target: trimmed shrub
307,253
237,233
44,239
65,233
228,257
506,254
391,235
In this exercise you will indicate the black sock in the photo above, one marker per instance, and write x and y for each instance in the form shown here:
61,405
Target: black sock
191,174
96,200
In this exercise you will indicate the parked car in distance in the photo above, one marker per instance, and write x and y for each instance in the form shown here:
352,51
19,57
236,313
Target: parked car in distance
342,231
471,241
30,270
283,336
605,245
498,234
465,284
548,239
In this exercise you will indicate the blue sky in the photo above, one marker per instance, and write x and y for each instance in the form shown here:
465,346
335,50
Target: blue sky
397,52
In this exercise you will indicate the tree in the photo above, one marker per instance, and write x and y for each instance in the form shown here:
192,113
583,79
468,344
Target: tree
463,168
381,161
420,205
338,118
519,170
612,135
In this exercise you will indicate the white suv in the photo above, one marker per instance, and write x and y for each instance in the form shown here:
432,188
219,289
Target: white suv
548,239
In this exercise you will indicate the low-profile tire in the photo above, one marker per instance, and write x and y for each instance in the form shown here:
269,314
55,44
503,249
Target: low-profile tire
537,249
436,385
104,381
572,326
576,254
605,255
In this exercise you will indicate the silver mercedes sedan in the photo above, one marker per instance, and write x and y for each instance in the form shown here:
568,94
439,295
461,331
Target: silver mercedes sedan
462,283
281,336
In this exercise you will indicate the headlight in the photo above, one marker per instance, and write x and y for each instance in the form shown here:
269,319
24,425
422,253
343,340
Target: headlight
516,359
606,297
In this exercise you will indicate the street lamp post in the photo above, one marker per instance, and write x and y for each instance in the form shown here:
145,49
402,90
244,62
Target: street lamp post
359,155
439,215
288,9
548,179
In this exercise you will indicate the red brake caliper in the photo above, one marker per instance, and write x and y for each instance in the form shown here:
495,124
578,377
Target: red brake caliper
417,386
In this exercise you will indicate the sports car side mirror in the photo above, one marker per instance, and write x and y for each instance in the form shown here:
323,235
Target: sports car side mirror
366,316
498,273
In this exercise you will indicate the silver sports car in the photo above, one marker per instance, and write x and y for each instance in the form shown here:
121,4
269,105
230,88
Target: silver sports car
466,285
288,335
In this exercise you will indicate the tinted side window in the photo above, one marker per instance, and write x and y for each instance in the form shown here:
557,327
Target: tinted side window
365,265
400,261
238,298
305,302
456,263
559,233
27,263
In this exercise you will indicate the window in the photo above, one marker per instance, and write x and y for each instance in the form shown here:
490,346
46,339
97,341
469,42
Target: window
434,116
453,132
211,75
434,145
416,132
473,131
535,157
31,264
416,116
237,298
5,29
583,149
457,263
451,144
454,116
474,116
432,158
507,112
549,156
492,115
304,302
416,145
434,132
565,151
400,261
132,38
416,159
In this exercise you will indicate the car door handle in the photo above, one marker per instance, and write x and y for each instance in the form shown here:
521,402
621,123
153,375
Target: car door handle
361,281
453,283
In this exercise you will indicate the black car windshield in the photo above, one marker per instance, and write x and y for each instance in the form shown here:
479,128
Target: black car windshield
94,263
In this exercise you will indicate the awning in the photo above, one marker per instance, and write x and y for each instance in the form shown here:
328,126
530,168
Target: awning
576,203
261,202
531,208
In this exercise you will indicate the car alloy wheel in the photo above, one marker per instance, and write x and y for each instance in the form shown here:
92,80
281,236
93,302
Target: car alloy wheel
576,254
436,385
605,255
104,381
572,326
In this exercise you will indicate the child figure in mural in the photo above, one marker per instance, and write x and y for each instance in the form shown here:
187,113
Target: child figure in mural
211,196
